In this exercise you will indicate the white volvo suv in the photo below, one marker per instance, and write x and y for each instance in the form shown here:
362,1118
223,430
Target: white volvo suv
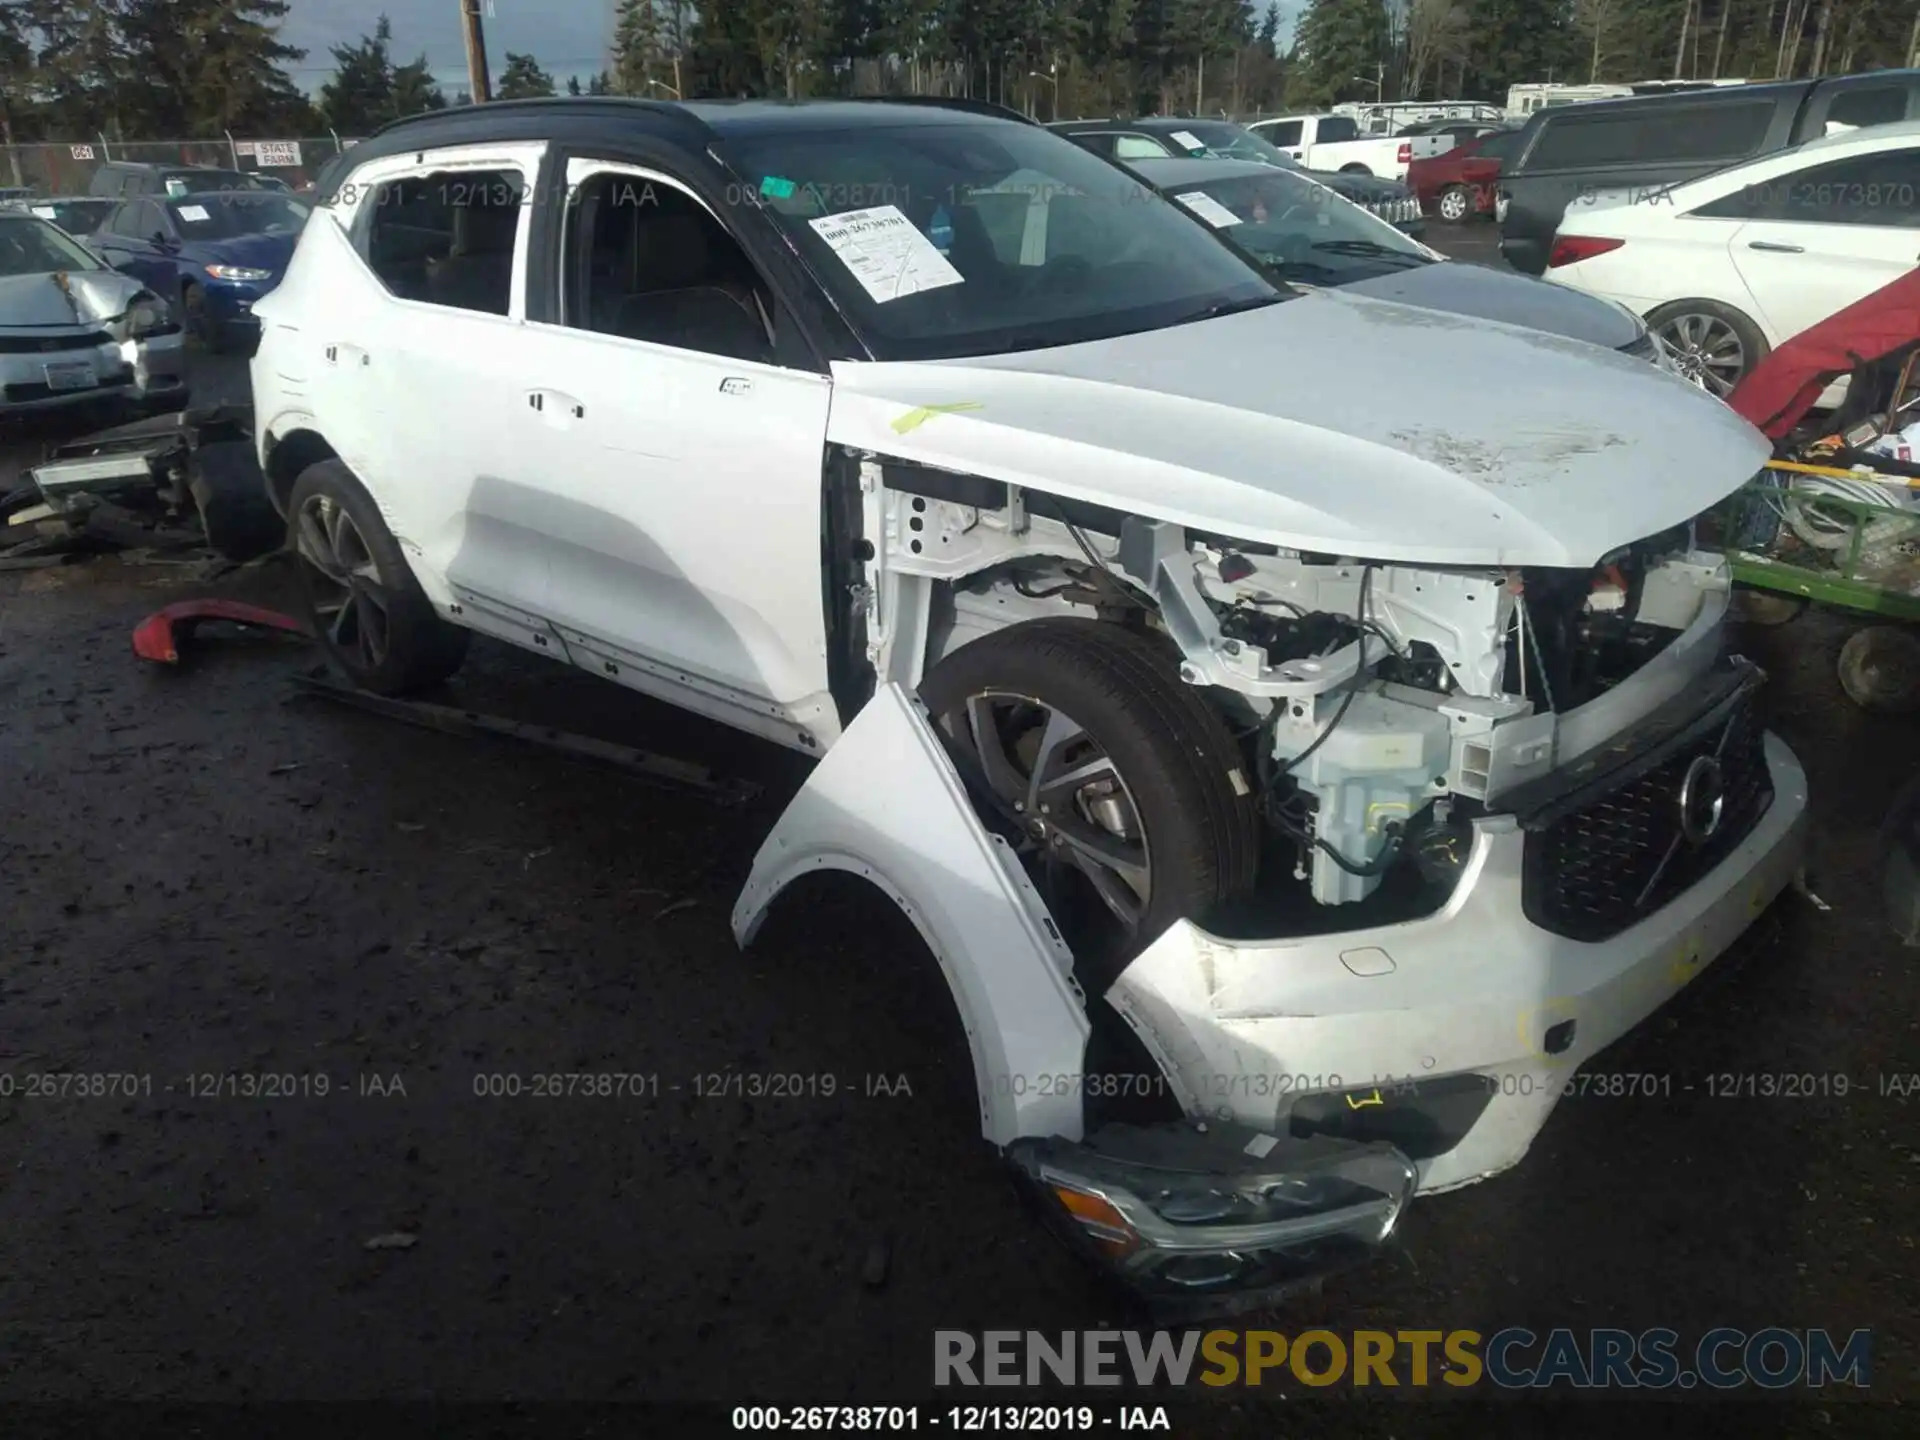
1295,780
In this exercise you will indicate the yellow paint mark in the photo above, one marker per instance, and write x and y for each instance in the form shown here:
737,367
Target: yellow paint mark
1686,963
1362,1103
1534,1024
914,419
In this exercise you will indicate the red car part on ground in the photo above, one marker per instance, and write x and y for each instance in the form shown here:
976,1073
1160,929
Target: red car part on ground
1777,393
1464,168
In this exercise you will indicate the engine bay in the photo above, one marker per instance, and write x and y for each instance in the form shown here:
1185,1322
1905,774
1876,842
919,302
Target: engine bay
1380,707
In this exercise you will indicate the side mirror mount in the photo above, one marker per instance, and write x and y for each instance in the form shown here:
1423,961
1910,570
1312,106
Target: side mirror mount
160,240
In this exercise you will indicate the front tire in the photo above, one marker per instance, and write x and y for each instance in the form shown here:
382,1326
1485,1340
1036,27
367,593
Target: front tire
360,597
200,322
1128,789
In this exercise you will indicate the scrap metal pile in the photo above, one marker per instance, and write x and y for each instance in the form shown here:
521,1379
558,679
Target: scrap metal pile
181,483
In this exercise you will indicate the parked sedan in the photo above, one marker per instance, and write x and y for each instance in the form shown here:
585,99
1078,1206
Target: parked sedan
1149,139
217,253
78,215
1464,181
74,332
1297,233
1730,265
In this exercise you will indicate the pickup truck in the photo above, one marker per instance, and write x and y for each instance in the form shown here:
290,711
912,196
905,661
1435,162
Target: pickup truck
1574,153
1334,142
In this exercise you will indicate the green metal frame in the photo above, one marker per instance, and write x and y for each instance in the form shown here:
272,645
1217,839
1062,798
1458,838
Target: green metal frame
1839,584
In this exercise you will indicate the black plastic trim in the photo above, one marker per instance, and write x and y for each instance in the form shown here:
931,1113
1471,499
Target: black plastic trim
1641,747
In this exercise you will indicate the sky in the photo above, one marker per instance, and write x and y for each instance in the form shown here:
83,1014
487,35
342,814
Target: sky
567,37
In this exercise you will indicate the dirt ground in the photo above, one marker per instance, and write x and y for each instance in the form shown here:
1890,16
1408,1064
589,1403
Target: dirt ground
204,878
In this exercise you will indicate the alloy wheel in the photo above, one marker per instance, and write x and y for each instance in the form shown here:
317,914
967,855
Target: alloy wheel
350,602
1706,350
1067,796
1453,206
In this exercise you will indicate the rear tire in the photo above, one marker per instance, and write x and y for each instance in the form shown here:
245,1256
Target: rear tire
359,595
1153,782
1880,669
1713,345
1355,170
1454,205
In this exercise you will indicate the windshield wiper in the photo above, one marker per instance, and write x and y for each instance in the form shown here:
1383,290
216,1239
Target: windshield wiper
1372,249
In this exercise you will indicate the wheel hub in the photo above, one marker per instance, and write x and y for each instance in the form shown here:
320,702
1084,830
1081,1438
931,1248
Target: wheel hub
1071,803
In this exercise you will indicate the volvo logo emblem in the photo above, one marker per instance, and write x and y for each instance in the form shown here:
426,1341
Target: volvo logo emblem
1703,800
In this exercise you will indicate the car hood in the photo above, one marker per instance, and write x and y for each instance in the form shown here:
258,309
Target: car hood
1490,294
89,296
261,252
1333,422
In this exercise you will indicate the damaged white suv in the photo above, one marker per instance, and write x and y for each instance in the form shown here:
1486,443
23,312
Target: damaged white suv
1326,687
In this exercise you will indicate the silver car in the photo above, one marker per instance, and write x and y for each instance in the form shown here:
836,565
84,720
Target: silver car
74,331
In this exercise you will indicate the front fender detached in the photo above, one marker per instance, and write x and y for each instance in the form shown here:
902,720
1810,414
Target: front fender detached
887,804
1194,1218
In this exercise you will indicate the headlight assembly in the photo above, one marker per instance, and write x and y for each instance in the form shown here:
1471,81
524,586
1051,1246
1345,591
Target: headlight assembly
238,272
146,314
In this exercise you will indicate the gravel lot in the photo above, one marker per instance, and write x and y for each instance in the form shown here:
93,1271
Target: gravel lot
204,878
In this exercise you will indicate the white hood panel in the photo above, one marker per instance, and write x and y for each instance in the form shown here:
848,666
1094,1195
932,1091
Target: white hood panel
1332,423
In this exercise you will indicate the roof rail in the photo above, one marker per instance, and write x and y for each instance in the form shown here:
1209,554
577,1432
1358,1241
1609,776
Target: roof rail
949,102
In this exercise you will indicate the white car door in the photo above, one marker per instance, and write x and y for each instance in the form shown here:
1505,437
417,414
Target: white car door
679,499
444,234
1824,236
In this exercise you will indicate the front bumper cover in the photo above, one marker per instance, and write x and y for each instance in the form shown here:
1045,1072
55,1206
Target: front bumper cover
1246,1031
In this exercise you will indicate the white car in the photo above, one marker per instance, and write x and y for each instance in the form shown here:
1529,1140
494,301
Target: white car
1161,674
1728,266
1334,143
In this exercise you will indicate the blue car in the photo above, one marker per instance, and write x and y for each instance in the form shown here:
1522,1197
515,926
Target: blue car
216,253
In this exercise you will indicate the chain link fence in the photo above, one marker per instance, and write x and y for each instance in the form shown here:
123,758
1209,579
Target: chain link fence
67,167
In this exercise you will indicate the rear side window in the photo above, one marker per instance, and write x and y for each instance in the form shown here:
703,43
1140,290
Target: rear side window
1137,147
1497,147
1868,105
1724,131
446,237
1334,129
1881,189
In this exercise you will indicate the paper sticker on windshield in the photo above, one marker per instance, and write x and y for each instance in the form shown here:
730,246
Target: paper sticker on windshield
45,212
885,253
192,212
774,187
1187,140
1208,209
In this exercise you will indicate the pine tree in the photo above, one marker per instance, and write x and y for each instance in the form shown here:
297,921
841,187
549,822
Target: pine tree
1342,45
637,35
367,89
523,79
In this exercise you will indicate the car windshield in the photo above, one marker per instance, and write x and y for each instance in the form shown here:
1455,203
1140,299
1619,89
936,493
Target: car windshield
30,246
226,214
1232,142
947,239
76,217
1299,229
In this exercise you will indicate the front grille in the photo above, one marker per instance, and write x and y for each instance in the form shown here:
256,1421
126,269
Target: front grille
1595,869
51,344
